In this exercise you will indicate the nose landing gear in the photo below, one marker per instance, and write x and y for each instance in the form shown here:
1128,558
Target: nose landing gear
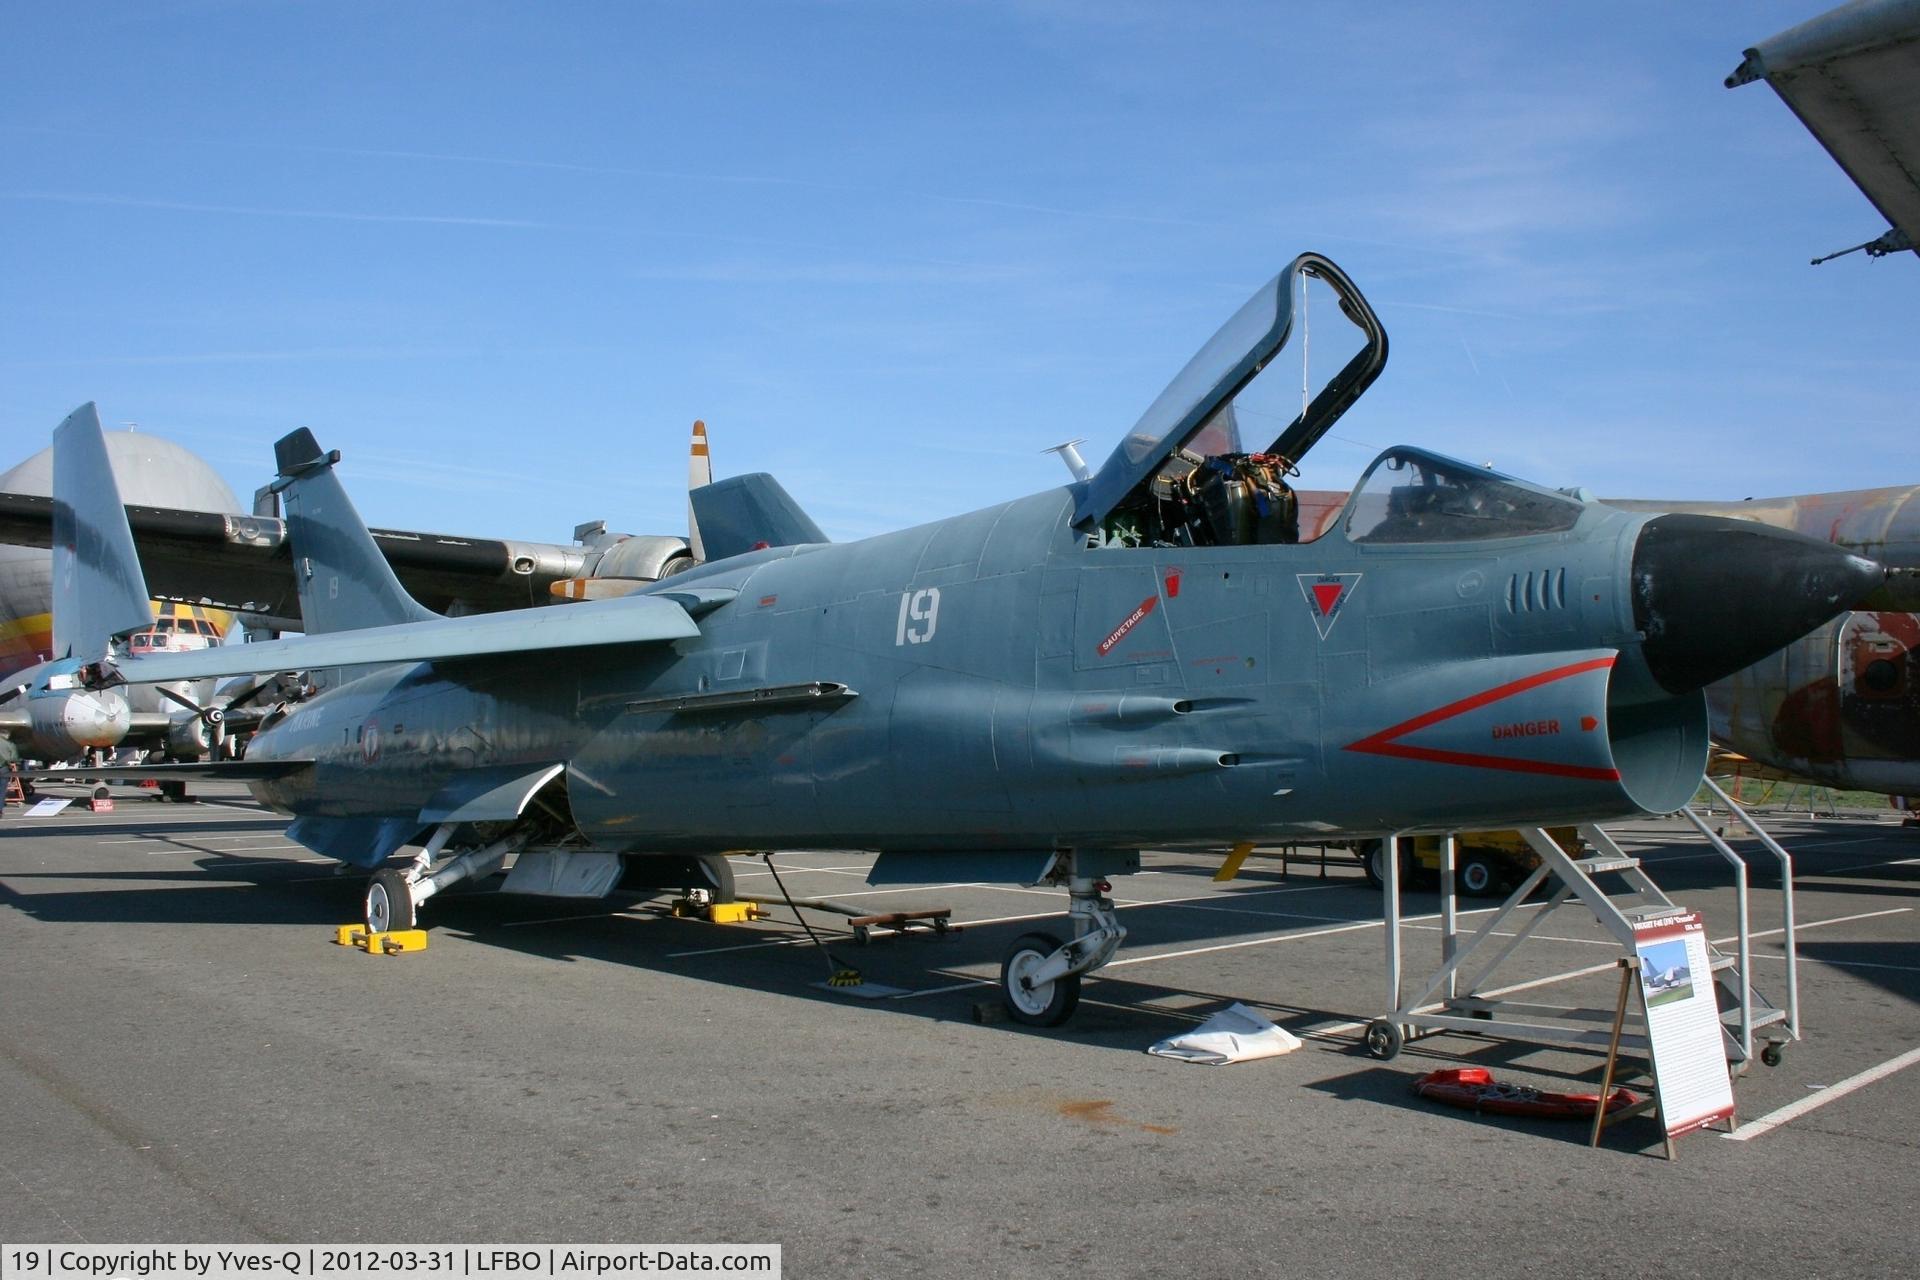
1040,975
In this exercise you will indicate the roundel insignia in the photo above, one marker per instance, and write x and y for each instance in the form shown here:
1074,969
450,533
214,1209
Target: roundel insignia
1326,595
370,741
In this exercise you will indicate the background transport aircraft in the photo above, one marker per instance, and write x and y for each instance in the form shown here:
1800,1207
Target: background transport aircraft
70,724
207,562
1148,657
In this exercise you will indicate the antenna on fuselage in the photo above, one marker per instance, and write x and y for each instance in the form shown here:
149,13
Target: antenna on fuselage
1071,456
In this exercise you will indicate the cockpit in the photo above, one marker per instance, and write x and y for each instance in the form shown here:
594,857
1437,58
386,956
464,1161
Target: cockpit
1183,477
1410,495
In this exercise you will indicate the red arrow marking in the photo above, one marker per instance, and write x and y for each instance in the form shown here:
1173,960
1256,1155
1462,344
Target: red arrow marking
1383,743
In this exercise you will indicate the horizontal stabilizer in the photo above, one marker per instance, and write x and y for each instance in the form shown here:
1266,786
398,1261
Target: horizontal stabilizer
631,620
744,513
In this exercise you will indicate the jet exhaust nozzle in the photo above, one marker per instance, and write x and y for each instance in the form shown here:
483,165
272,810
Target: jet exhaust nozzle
1712,595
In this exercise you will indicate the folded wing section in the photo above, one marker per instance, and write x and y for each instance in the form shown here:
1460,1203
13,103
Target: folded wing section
628,620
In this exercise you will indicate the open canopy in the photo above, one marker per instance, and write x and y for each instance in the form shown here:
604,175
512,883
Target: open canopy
1223,367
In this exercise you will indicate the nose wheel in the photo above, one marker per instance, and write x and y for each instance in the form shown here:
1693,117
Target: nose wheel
1040,975
1037,1004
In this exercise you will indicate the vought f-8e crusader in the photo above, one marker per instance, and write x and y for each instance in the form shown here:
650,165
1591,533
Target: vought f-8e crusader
1145,658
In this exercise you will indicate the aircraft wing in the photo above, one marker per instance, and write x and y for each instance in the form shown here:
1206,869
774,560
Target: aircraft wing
245,563
627,620
231,770
1853,77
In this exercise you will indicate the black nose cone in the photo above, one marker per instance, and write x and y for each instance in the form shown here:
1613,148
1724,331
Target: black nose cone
1714,595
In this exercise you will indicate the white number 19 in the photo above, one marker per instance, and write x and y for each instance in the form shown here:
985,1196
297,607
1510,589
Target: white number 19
919,615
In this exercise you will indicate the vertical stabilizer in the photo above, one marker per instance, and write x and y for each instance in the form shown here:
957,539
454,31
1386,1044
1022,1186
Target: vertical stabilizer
99,591
343,580
699,475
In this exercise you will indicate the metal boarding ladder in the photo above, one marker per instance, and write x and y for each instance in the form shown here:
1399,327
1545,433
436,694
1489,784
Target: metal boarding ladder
1470,962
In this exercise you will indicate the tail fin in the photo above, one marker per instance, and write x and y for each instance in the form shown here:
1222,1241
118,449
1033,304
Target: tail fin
744,513
99,591
344,582
699,475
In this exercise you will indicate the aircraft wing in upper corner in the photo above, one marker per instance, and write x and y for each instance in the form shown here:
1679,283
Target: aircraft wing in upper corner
1853,77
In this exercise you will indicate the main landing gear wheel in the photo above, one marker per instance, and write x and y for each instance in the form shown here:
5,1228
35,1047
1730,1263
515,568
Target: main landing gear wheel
389,903
1476,877
1384,1039
1374,864
717,871
1047,1004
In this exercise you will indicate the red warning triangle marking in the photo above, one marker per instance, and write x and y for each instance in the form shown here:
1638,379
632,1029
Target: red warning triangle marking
1326,595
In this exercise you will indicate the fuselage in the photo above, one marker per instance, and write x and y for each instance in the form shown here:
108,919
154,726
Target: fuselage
1014,687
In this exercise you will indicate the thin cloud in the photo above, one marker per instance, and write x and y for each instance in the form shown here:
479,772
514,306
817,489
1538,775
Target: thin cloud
255,211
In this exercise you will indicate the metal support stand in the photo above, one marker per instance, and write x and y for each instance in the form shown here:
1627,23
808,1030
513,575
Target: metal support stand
1469,962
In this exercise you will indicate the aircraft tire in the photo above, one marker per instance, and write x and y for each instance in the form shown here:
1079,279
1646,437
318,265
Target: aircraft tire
1477,877
718,871
1047,1005
1373,863
389,903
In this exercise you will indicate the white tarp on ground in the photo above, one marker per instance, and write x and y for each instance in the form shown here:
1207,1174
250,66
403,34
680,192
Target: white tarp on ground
1235,1034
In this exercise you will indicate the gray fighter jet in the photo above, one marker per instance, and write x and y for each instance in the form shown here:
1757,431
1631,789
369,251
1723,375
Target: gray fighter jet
1147,657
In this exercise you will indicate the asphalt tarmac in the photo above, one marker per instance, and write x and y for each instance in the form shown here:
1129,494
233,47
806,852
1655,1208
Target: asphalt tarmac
185,1055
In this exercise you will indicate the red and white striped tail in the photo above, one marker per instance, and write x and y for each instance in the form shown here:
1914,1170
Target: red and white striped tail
699,475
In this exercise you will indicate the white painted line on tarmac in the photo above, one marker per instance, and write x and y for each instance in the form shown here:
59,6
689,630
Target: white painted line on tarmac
1864,866
275,862
745,946
1832,844
1543,937
1793,1111
238,848
1249,942
957,986
1817,924
589,915
1844,964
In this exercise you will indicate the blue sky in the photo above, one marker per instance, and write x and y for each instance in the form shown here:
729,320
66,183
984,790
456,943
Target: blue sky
501,255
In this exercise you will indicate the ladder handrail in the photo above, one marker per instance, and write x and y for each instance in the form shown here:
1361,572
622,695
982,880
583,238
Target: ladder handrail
1786,900
1745,962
